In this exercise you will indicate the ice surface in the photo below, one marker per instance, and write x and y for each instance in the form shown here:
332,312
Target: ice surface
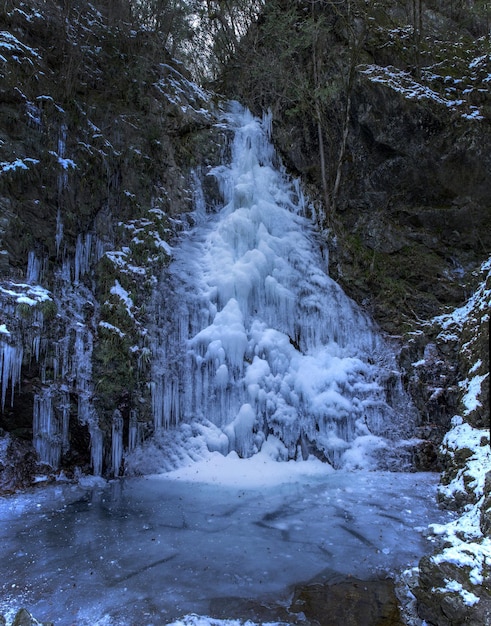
150,550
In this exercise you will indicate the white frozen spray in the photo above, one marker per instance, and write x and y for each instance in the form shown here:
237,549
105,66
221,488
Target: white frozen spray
258,339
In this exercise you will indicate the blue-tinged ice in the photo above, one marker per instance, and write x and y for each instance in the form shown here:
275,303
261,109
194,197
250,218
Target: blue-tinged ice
257,340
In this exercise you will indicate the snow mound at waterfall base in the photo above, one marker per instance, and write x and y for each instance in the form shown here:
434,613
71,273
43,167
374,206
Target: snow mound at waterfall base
198,451
201,449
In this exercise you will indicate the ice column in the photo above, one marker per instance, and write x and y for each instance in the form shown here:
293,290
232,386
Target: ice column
33,275
10,368
133,435
47,438
96,450
117,442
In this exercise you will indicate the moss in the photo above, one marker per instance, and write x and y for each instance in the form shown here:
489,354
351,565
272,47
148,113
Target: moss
113,368
24,310
48,309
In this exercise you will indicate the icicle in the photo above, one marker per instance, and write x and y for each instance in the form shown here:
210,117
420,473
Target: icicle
82,256
63,176
47,439
199,197
59,232
33,269
157,393
66,274
267,122
64,407
10,368
116,442
133,438
62,141
96,450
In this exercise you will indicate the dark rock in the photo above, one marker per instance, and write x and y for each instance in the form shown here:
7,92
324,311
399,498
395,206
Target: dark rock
256,611
350,602
425,456
485,522
18,466
24,618
440,606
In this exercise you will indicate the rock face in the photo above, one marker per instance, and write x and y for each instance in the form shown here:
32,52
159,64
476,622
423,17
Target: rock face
98,141
454,585
406,148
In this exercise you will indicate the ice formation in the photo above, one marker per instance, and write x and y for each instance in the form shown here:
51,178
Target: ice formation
256,339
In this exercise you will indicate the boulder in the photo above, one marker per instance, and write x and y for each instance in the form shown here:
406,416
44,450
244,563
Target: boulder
350,602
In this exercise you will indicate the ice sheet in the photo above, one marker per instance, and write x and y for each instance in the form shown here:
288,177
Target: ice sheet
149,550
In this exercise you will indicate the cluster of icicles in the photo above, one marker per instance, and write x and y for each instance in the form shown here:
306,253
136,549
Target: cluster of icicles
257,340
252,339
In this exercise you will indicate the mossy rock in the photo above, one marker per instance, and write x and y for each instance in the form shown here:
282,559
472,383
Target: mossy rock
24,618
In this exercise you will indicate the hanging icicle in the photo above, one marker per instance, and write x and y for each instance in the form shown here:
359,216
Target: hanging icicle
116,442
10,368
47,438
96,450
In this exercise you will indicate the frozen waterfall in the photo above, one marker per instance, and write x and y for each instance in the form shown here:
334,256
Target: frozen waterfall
257,343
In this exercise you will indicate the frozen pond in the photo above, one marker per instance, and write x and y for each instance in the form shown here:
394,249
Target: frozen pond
148,550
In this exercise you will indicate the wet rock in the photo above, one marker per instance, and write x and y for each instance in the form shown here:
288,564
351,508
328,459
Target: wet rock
440,605
425,456
256,611
349,602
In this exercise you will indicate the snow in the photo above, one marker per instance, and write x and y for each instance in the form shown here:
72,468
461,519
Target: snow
259,471
118,291
453,586
66,164
9,42
112,328
120,259
405,84
475,443
18,164
473,390
201,620
472,555
479,301
25,294
182,92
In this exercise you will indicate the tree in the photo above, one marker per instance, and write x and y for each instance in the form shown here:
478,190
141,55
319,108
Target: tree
313,89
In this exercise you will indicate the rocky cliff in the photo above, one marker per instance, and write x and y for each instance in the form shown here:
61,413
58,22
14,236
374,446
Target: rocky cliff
99,134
